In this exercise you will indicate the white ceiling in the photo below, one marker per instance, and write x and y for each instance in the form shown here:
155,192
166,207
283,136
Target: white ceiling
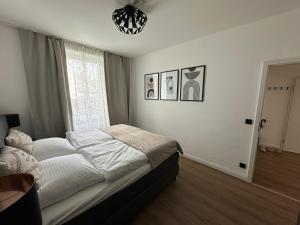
169,21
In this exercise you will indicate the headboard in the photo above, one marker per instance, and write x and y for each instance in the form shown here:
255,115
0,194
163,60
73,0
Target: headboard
3,129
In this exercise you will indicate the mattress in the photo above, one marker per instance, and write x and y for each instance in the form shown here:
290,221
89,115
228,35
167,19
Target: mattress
69,208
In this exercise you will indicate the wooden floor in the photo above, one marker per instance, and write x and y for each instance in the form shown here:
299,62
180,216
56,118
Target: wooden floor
279,172
203,196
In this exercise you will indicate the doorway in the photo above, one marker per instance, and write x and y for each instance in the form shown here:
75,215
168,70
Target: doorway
277,163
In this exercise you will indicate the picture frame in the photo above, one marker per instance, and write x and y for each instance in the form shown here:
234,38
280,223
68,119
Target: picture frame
169,82
193,78
151,86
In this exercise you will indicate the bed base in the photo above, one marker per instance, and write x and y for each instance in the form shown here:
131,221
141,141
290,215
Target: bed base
121,207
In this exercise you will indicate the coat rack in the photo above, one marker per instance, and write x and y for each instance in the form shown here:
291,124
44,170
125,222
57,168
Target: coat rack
278,88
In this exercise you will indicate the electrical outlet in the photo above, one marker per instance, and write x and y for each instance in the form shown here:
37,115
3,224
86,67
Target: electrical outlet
249,121
243,165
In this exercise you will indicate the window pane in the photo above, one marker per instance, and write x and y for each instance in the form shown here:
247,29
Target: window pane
87,87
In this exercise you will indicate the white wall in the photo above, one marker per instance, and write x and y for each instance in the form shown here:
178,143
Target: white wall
292,140
13,89
275,106
214,131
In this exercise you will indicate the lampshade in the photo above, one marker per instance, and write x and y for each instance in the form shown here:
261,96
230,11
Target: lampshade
129,19
13,120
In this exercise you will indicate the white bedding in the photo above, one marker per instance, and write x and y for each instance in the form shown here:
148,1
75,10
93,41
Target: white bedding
69,208
111,157
99,167
114,158
88,138
63,176
52,147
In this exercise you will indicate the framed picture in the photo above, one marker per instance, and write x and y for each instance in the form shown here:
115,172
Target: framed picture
192,84
169,85
151,84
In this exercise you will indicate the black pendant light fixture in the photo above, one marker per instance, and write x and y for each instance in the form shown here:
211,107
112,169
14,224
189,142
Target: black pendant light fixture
129,19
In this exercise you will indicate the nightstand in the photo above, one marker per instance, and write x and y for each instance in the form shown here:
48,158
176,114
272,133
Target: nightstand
19,202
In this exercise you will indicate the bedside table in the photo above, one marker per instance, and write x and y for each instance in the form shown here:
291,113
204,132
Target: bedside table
19,202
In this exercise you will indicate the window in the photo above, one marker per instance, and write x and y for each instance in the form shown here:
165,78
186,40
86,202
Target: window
87,87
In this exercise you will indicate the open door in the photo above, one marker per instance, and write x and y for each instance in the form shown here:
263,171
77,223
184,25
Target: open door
277,164
292,137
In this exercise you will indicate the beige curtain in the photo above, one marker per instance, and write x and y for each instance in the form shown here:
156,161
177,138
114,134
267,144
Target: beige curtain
117,79
46,74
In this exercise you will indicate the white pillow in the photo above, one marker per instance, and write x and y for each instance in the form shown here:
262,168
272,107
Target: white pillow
65,175
51,147
20,140
13,160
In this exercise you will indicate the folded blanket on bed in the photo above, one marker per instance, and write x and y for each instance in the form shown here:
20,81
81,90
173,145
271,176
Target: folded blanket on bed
81,140
114,159
111,157
120,149
156,147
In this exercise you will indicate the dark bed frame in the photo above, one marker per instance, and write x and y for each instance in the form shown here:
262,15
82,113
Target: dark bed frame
122,206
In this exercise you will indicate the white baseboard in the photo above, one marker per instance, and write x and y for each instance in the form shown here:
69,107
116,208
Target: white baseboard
216,166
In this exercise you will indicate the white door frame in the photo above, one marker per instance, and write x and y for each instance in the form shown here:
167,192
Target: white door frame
260,100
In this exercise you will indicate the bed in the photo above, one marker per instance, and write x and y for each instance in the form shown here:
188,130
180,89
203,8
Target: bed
114,200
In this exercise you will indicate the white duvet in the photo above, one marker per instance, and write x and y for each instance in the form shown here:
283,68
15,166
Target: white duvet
114,158
96,157
111,157
85,139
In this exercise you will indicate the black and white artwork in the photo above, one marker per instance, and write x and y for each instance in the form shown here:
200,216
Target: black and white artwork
151,84
169,85
192,84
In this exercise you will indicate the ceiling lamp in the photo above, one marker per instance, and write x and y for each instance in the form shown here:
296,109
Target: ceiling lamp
129,19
